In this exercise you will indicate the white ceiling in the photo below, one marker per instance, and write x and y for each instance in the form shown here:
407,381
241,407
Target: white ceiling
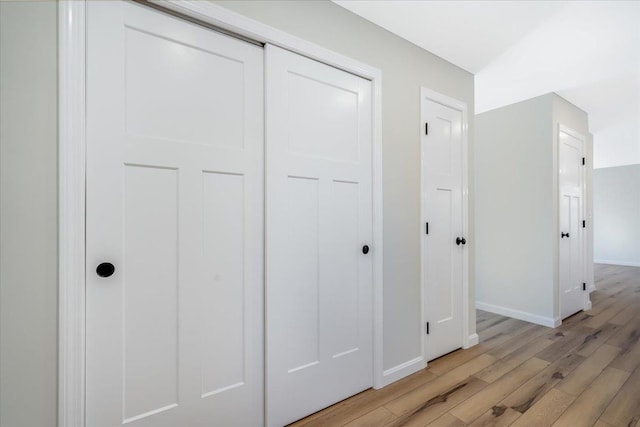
586,51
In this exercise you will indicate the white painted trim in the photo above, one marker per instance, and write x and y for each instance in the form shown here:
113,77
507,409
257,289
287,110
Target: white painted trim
402,370
616,262
71,208
468,339
550,322
472,340
72,29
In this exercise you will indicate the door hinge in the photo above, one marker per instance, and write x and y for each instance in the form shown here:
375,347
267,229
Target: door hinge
584,286
426,128
583,161
584,224
427,328
426,228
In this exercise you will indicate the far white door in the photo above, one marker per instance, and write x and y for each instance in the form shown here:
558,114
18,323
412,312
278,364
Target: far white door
318,235
443,237
571,215
174,273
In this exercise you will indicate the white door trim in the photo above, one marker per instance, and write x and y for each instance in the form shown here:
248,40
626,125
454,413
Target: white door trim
586,303
467,340
71,193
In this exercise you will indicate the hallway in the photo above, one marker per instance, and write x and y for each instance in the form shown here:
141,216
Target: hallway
584,373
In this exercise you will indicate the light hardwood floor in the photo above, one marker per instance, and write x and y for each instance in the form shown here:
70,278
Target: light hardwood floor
583,373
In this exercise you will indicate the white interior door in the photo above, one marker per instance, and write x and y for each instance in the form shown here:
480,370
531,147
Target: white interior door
175,204
571,214
318,218
442,227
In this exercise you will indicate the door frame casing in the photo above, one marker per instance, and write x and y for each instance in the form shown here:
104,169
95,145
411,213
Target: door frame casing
586,302
467,339
72,29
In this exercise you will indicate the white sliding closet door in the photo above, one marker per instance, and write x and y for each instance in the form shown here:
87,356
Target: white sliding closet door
175,205
319,218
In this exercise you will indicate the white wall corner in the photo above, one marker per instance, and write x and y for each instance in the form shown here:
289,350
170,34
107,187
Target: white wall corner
550,322
402,370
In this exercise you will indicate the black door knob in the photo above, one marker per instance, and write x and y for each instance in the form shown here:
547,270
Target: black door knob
105,269
563,235
461,240
365,249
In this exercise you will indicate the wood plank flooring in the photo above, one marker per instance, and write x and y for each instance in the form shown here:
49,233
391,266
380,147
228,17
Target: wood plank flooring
584,373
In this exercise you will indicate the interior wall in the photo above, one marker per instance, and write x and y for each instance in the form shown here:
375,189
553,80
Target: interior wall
28,224
514,178
617,215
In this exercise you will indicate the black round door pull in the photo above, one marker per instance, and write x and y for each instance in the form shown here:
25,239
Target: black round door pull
105,269
461,240
365,249
563,235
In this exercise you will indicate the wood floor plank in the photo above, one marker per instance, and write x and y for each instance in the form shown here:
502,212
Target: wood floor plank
497,416
546,410
533,390
596,338
577,381
569,341
513,360
624,409
360,404
495,392
447,420
377,417
509,326
514,343
416,398
438,405
628,359
610,312
451,361
626,315
586,409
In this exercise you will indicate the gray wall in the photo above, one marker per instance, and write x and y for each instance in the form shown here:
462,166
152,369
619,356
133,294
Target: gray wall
405,68
28,225
514,207
616,213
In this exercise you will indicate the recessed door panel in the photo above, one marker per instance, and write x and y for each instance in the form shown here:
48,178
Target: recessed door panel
301,301
150,290
222,293
318,218
161,99
175,203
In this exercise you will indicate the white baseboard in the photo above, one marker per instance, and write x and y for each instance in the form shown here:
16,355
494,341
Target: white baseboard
588,306
398,372
613,262
518,314
471,341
